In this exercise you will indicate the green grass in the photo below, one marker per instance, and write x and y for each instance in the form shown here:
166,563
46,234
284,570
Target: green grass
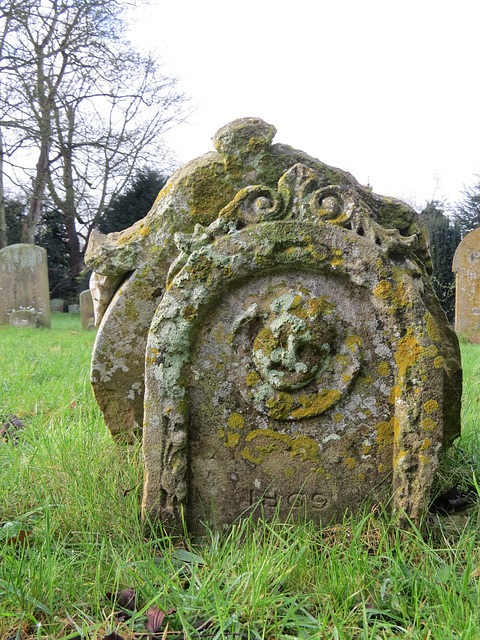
76,496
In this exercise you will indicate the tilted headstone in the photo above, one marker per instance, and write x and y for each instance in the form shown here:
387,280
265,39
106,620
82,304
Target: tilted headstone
24,296
466,264
295,354
86,310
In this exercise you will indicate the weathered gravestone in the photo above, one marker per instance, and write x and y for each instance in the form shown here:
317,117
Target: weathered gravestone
297,355
466,264
24,296
86,310
57,305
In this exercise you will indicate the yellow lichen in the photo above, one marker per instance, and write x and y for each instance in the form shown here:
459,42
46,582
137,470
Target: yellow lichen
383,289
317,403
382,468
426,444
407,354
338,417
236,421
428,424
232,439
430,406
432,328
350,462
395,393
304,447
252,378
387,432
438,362
383,369
352,342
280,406
431,351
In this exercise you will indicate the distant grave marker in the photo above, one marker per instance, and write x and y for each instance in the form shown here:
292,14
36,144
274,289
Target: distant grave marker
466,265
86,310
57,305
24,296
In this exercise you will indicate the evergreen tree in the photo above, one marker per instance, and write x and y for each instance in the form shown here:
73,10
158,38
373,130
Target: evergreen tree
51,234
134,204
444,239
467,210
14,214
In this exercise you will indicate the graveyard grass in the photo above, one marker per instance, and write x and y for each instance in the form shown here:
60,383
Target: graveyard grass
69,504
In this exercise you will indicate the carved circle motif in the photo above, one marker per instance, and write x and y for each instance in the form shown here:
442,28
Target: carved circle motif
304,358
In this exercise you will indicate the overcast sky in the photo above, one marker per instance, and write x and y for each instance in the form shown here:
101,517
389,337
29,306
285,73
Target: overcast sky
384,89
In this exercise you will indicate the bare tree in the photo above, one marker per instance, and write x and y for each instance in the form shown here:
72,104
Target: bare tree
89,107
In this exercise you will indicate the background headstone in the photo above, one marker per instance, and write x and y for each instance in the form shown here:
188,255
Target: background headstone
466,265
73,308
86,310
24,286
57,305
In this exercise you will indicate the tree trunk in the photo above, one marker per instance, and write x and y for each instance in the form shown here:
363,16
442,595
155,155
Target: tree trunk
3,221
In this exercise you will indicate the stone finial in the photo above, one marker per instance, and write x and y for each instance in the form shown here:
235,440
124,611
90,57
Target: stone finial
243,135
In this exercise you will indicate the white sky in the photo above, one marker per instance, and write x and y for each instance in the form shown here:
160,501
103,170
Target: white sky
387,90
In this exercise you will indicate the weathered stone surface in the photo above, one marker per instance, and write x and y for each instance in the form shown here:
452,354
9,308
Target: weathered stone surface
86,310
297,354
23,319
57,305
24,286
466,265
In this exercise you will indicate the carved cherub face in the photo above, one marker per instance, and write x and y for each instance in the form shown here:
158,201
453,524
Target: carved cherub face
293,347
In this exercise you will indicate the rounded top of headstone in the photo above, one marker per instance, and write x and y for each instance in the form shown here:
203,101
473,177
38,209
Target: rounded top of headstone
243,135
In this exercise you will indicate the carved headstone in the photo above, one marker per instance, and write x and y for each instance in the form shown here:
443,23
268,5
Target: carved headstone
297,356
24,296
86,310
466,265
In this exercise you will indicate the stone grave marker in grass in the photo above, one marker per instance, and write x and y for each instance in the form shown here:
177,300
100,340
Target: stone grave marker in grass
24,296
86,310
296,358
466,264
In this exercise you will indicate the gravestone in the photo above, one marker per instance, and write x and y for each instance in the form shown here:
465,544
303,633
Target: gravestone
74,308
24,296
277,321
57,305
86,310
466,265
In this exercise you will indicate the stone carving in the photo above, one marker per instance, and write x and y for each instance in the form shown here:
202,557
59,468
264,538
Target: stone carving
297,355
24,296
466,265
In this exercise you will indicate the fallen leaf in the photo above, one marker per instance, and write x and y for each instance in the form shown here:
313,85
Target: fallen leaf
112,636
20,540
453,500
127,599
11,427
155,618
